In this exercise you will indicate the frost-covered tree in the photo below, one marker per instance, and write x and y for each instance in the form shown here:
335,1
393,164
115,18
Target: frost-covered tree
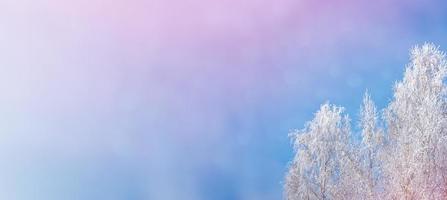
317,171
372,139
416,124
406,158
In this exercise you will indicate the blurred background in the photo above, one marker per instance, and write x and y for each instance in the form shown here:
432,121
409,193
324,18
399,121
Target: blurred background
185,99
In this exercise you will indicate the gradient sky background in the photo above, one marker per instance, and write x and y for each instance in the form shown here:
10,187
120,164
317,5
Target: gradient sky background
185,99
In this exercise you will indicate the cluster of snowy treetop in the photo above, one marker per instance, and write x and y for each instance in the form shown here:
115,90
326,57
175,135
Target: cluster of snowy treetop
402,153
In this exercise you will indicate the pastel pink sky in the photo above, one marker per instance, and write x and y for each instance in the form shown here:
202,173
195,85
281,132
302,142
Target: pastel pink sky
115,94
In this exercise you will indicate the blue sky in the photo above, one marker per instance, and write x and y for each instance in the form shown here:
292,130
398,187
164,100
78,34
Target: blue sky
185,99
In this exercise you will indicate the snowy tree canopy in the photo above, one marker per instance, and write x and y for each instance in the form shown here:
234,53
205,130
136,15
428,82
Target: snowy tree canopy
402,155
